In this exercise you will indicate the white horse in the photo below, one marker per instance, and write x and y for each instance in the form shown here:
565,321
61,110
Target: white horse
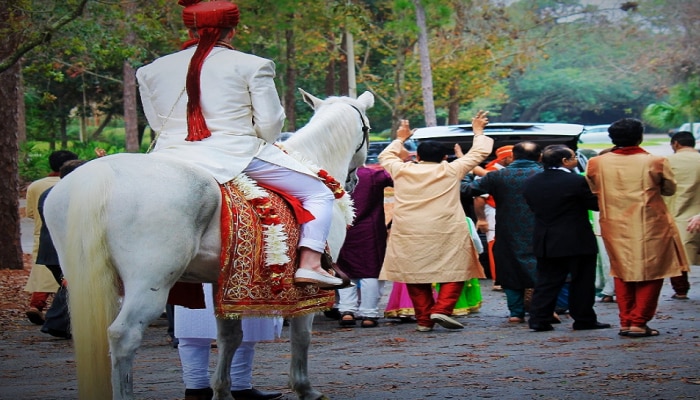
128,226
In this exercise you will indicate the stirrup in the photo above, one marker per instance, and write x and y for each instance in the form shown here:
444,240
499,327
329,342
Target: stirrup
333,269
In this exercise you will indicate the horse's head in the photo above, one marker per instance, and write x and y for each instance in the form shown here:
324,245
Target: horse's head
356,130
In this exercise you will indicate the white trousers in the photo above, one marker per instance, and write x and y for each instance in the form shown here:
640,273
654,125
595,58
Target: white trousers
362,299
603,279
315,197
491,219
194,356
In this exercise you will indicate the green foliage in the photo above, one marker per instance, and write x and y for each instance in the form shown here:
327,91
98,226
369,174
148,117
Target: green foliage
34,156
547,60
33,161
682,105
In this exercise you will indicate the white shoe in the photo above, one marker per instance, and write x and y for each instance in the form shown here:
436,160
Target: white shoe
309,277
445,321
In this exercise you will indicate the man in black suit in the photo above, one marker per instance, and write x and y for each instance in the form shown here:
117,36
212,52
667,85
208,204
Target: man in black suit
563,240
57,320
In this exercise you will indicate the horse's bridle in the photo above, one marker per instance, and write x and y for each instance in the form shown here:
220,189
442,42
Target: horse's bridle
363,143
365,130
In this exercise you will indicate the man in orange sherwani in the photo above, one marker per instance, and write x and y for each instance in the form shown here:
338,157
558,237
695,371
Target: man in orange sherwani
638,231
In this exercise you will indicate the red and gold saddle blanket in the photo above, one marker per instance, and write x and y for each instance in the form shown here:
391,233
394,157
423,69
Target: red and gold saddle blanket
259,240
259,237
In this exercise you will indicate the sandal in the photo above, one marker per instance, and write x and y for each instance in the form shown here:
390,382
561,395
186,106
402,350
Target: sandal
516,320
607,299
624,330
555,319
645,333
680,296
347,319
369,322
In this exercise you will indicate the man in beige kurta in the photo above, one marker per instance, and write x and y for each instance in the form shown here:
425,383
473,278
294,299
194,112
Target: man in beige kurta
41,282
640,236
430,240
685,203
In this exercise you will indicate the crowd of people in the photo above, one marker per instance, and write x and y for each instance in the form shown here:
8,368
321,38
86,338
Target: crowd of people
541,240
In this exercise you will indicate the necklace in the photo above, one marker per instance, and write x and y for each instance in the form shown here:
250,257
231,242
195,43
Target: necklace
221,43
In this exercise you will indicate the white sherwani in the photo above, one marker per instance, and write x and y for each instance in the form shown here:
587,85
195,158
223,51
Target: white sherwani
239,102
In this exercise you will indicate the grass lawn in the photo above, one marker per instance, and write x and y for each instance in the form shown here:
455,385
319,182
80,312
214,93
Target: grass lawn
646,142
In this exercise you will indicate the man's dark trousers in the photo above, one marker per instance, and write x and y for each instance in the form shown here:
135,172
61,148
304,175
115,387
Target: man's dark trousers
551,276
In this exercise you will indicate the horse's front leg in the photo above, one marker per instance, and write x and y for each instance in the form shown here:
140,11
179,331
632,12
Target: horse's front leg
229,336
300,336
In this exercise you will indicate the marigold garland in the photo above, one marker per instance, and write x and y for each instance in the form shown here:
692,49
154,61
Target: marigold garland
331,183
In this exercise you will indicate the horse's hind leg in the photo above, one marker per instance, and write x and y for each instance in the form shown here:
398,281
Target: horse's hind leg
228,338
139,308
300,335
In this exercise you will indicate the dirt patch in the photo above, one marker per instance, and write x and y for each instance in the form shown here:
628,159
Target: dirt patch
14,300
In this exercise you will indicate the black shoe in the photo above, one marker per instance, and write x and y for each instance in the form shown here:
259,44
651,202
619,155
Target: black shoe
56,333
35,316
333,313
254,394
199,394
541,327
589,325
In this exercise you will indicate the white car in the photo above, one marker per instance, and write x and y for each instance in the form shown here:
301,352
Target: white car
595,134
695,131
506,133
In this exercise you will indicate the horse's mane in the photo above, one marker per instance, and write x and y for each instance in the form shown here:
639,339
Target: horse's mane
332,130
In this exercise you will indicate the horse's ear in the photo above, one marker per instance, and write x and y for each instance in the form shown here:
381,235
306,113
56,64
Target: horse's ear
367,99
309,99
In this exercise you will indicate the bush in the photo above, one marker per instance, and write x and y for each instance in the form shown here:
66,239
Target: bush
34,156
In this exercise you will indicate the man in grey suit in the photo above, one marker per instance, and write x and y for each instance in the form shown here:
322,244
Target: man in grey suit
563,240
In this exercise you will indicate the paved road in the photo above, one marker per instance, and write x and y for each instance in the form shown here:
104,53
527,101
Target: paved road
491,358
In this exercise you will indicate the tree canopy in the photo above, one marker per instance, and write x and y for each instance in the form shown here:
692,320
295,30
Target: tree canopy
536,60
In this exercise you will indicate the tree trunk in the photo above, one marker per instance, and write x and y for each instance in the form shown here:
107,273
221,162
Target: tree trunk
129,89
21,111
105,121
12,47
64,131
130,116
291,81
453,108
330,69
425,70
10,245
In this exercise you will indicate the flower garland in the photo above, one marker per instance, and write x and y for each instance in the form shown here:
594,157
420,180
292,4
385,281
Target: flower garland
273,232
331,183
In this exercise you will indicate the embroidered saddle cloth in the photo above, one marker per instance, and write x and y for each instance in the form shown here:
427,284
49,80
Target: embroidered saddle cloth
250,284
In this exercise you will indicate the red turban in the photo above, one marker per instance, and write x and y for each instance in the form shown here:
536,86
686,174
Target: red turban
209,19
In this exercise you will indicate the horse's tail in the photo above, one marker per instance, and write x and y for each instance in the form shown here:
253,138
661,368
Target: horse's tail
93,282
